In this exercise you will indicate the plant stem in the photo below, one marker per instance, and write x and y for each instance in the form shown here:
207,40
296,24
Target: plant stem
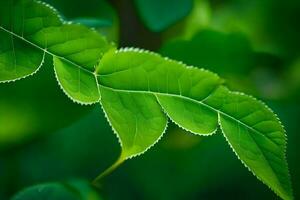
96,181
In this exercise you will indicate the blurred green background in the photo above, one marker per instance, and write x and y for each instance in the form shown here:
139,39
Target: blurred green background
254,45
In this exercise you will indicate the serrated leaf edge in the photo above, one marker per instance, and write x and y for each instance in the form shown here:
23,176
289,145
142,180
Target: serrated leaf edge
28,75
120,141
139,50
284,134
270,110
69,96
56,13
183,128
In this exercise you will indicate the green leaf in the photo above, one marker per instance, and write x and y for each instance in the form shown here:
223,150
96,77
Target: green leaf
136,118
136,86
192,117
80,85
158,15
196,100
17,58
72,190
38,25
256,135
176,86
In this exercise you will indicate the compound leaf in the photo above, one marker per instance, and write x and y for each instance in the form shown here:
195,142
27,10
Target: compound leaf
135,87
196,100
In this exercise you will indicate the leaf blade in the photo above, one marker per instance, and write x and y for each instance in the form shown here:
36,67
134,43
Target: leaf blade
15,63
136,118
153,73
148,70
38,25
77,83
256,136
156,16
193,117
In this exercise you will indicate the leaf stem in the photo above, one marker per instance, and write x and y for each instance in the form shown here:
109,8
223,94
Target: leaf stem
109,170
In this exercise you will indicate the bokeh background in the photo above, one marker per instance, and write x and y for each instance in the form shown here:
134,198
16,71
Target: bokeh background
254,45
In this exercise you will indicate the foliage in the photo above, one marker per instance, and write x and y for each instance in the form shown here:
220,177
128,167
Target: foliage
139,89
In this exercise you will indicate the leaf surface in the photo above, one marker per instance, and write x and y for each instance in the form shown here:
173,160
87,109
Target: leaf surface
256,135
176,86
136,118
39,25
196,100
192,117
17,58
80,85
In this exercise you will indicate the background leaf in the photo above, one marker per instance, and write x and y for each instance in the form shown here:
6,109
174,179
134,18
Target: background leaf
223,53
73,190
158,15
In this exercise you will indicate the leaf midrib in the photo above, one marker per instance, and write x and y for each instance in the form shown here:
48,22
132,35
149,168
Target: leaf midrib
155,93
46,51
94,74
193,100
212,108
